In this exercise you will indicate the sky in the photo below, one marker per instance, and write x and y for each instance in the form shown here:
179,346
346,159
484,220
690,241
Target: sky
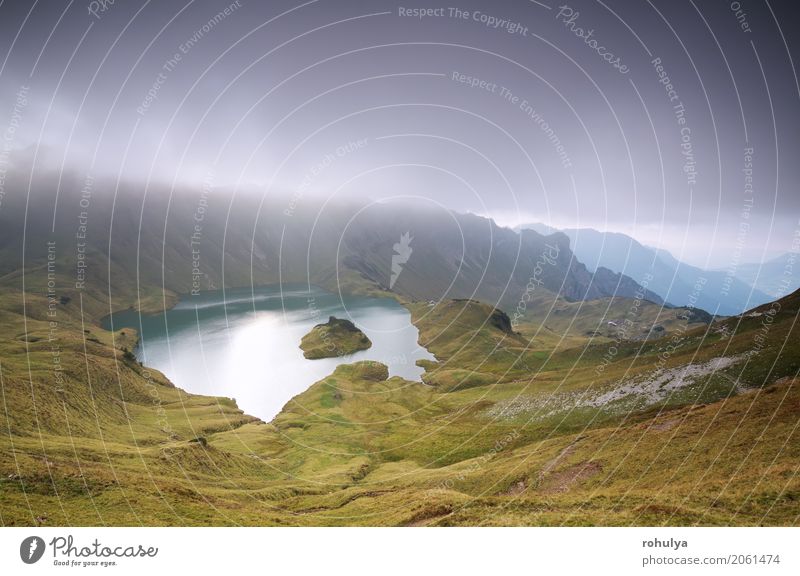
675,122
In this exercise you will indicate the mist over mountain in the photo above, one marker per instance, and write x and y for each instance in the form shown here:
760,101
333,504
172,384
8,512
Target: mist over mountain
723,292
187,241
770,277
260,266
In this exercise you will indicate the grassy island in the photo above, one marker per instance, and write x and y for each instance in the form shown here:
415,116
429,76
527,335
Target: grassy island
335,338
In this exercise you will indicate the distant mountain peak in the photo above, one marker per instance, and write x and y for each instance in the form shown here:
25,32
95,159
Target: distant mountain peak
725,292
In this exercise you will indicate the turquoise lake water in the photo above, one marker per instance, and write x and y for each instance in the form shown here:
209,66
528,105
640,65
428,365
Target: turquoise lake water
244,344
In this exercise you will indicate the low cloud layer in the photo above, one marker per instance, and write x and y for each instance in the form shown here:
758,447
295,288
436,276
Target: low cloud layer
676,124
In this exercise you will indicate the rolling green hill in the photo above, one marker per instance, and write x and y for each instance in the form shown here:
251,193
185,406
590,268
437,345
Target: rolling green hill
512,426
572,398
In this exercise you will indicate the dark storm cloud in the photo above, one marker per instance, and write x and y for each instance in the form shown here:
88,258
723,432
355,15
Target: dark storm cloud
620,115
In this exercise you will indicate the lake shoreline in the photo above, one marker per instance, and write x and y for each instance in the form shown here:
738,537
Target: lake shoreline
245,343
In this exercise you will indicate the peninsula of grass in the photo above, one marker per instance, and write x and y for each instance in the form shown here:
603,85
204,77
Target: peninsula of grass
333,339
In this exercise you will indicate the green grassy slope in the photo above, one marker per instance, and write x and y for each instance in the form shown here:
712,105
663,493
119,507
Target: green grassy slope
510,427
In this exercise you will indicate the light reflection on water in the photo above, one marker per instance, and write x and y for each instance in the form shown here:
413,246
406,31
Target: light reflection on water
246,346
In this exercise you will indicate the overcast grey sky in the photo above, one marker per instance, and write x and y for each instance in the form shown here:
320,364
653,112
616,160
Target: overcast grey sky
619,115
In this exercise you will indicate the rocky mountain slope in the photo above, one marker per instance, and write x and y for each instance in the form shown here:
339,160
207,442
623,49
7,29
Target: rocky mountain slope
175,242
675,282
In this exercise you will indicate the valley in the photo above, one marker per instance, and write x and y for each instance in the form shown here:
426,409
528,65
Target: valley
506,383
509,427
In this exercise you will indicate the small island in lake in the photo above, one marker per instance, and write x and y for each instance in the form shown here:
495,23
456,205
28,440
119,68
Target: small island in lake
333,339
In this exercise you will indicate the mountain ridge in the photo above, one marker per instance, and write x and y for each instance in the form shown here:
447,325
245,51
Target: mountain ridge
182,242
722,292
